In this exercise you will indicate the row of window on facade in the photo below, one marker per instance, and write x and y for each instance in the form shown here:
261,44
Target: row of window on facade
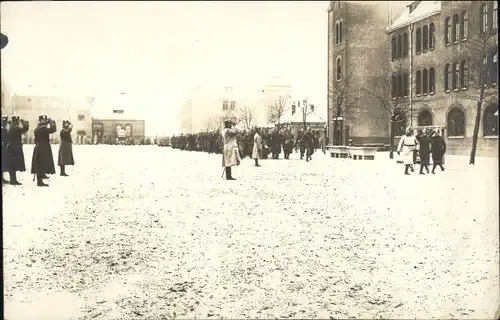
455,77
456,121
228,105
455,30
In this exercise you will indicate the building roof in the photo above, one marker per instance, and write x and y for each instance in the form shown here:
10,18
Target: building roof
297,118
423,10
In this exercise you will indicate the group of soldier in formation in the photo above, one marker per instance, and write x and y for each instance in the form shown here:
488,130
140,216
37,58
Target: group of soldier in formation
42,163
423,145
258,143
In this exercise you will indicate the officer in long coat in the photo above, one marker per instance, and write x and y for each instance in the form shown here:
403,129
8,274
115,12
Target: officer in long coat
257,147
5,141
424,151
301,143
308,140
438,149
276,144
288,142
15,154
42,162
230,153
406,147
65,148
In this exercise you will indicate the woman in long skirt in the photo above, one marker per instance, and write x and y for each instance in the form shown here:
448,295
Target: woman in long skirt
66,148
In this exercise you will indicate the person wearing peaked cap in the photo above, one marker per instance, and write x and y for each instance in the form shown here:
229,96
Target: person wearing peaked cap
65,148
15,154
42,162
230,153
4,40
5,141
438,149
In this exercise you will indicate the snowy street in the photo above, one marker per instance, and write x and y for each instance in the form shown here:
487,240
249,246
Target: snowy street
145,232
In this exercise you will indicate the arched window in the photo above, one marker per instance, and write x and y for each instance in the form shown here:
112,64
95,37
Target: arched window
447,30
432,81
432,36
425,81
447,72
337,32
400,85
394,47
493,67
339,68
405,44
425,118
419,41
456,75
394,82
418,84
341,31
400,46
425,38
464,74
456,122
406,78
456,27
494,21
490,120
484,17
464,26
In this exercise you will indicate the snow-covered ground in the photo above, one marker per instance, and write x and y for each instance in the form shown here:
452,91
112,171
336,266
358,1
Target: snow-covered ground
145,232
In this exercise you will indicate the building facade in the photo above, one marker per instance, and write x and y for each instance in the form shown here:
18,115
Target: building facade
209,105
106,124
357,50
57,108
450,52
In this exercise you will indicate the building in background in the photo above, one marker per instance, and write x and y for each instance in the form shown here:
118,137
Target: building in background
358,48
106,123
277,98
431,39
208,105
57,108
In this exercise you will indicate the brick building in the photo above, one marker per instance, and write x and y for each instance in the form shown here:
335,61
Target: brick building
358,46
440,43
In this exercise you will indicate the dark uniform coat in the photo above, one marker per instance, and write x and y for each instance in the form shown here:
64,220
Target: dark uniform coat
5,141
66,148
424,149
438,149
43,160
15,154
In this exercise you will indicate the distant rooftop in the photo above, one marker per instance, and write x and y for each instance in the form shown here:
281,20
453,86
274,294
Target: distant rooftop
421,10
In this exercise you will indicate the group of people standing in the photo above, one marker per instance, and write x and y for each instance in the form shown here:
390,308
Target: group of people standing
42,163
423,145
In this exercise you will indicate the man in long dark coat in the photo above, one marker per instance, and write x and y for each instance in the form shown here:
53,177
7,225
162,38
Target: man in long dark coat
15,154
438,149
424,151
288,142
5,141
300,142
308,139
65,148
42,162
275,144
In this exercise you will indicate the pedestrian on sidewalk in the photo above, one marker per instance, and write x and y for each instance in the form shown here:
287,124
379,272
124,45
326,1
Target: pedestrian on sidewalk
438,149
65,148
257,147
406,147
230,153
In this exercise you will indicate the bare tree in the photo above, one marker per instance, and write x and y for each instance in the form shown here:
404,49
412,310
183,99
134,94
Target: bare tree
277,110
391,92
246,115
480,59
305,110
345,92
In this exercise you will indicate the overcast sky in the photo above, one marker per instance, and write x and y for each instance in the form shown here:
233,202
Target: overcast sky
156,51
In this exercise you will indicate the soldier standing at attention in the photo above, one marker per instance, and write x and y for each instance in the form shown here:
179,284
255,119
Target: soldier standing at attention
230,153
42,162
65,148
5,141
257,147
15,154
